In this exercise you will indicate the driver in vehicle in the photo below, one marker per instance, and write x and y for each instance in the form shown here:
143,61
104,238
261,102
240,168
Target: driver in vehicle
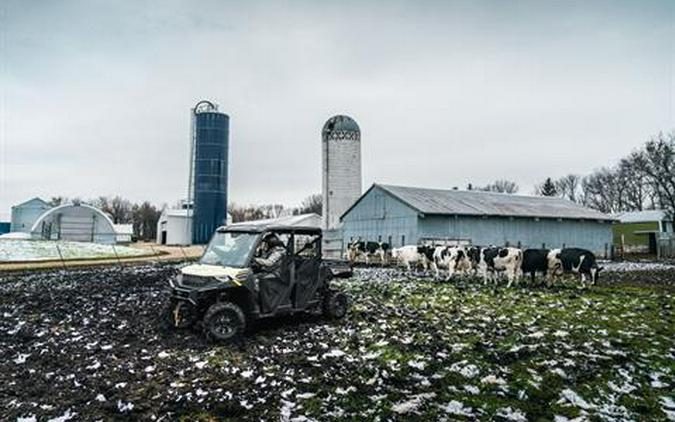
273,250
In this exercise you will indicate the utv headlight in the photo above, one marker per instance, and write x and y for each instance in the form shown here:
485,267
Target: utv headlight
224,279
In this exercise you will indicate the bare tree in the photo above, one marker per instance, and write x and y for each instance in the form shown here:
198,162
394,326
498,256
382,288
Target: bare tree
569,187
312,204
144,218
604,191
657,162
501,186
55,201
635,188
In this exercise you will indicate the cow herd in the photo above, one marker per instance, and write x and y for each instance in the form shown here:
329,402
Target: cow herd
489,263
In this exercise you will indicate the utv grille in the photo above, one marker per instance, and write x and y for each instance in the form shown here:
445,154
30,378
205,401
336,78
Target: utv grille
196,281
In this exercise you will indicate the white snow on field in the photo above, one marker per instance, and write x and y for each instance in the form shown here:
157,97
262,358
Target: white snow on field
63,418
45,250
412,404
511,414
457,408
636,266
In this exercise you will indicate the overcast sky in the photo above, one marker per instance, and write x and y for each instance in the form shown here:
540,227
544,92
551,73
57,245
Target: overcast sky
95,95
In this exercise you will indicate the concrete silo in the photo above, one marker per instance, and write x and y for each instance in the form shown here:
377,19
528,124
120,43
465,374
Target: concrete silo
208,170
341,174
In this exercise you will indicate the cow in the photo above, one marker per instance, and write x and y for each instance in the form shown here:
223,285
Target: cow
367,250
452,258
411,254
428,253
578,261
535,260
473,253
507,260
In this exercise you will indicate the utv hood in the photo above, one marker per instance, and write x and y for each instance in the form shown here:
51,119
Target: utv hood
203,270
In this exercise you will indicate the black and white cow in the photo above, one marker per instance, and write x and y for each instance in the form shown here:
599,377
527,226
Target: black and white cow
454,259
473,253
578,261
411,255
367,250
500,260
534,261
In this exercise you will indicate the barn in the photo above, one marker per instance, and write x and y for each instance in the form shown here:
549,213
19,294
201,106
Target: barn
403,215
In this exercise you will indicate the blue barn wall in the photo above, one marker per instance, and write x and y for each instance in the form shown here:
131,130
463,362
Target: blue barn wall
531,233
380,214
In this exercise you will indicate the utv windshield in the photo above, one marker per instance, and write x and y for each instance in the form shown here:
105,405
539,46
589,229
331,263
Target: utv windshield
229,249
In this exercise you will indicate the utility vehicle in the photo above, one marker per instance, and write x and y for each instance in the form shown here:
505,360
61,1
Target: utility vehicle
228,289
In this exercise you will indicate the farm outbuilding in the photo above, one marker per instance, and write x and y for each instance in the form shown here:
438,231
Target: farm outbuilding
640,231
76,222
402,215
26,213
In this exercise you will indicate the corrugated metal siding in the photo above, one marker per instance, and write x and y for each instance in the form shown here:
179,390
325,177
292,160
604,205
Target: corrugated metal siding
591,235
379,215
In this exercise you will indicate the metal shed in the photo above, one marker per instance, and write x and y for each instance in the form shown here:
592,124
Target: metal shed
403,215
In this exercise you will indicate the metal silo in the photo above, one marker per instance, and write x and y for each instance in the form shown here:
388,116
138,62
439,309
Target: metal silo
208,170
341,159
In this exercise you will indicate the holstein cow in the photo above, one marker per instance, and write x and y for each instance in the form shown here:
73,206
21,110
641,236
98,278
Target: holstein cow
537,260
410,254
578,261
506,260
367,250
453,259
473,253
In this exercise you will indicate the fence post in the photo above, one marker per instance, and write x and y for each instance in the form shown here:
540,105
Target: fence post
63,261
154,253
119,261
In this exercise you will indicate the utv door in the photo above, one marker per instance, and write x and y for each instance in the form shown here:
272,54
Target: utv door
307,267
275,287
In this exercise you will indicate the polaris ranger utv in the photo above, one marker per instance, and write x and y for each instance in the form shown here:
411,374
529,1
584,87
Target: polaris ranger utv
229,288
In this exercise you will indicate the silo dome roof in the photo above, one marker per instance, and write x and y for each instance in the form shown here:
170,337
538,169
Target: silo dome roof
340,123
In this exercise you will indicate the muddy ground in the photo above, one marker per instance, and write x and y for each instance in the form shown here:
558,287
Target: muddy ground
88,345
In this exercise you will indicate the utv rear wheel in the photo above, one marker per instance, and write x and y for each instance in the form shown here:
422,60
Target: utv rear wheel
224,321
335,305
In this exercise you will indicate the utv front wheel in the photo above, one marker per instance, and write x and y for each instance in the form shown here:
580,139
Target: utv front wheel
176,314
224,321
335,305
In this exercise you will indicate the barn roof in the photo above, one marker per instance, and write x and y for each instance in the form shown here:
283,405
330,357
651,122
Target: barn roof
642,216
479,203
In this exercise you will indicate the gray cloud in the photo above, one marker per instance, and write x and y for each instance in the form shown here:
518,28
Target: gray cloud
95,96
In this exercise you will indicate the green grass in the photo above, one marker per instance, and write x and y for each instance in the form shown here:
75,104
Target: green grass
542,346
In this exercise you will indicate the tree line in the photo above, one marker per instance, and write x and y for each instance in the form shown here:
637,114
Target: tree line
644,179
311,204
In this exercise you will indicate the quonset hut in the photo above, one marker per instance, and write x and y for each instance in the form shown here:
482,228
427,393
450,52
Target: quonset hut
406,215
75,222
208,170
341,176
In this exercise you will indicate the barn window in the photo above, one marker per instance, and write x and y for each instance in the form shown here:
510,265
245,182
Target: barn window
402,240
390,241
379,238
